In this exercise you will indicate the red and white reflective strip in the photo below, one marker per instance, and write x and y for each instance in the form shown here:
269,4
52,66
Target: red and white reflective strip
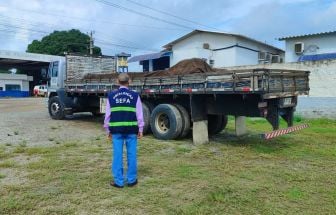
190,90
280,132
167,90
149,91
246,89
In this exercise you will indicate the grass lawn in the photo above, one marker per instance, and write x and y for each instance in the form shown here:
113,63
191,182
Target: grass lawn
293,174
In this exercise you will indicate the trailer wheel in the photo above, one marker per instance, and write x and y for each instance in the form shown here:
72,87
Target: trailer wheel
56,108
150,107
146,116
216,123
166,122
185,120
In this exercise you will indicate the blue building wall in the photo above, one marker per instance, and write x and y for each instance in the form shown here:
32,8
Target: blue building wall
14,94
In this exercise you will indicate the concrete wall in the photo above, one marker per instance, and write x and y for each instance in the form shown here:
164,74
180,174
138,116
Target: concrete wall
318,44
192,47
321,101
22,80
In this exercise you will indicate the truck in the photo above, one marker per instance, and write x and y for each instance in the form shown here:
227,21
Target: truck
176,104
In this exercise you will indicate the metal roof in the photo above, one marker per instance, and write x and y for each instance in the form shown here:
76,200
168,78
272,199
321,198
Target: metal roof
308,35
148,56
167,46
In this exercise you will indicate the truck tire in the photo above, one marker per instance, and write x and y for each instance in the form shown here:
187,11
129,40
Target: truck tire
224,123
216,123
146,116
149,105
166,122
185,120
56,108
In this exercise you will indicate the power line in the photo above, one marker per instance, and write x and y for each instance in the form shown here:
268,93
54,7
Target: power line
82,44
38,24
141,14
95,21
118,45
23,28
169,14
98,40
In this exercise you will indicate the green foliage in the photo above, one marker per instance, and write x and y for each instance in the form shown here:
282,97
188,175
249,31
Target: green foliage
5,71
59,42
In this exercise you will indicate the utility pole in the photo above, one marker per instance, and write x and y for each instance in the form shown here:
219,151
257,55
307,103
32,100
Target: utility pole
91,43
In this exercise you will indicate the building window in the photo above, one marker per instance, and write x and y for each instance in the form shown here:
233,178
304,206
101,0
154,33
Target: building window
13,87
1,89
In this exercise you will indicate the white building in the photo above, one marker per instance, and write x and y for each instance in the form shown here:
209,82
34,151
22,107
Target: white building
310,47
219,49
13,85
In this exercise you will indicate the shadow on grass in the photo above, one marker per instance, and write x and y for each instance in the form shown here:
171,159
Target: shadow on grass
253,141
87,117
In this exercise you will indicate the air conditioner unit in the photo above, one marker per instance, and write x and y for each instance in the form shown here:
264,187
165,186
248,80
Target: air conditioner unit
206,45
299,48
262,56
275,59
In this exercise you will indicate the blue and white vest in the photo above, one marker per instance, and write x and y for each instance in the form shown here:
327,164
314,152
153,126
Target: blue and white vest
123,112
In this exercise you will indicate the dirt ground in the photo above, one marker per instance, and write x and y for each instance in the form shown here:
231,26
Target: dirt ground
26,121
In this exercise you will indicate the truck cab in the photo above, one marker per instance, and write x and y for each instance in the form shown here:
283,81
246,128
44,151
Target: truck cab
56,76
60,103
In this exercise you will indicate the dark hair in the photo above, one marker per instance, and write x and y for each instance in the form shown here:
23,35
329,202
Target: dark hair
123,82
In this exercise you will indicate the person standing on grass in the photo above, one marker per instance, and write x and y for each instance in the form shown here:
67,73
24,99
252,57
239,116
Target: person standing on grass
124,124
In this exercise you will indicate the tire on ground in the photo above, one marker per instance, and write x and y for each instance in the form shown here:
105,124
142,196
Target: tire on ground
216,123
56,108
185,120
224,123
151,107
146,117
166,122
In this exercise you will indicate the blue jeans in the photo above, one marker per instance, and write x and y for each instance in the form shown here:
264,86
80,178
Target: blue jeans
118,141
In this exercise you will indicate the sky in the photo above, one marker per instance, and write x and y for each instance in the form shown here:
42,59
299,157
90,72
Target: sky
144,26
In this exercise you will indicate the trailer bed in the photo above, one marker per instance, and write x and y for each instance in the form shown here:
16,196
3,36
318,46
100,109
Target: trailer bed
270,83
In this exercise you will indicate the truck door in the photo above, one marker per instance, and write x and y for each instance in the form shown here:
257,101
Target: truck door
53,75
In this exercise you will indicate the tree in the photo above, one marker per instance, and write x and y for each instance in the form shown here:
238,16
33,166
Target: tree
59,42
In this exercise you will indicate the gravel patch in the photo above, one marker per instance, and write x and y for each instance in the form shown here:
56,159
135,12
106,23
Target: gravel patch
26,122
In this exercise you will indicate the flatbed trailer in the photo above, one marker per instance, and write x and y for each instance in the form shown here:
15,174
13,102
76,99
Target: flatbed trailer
174,105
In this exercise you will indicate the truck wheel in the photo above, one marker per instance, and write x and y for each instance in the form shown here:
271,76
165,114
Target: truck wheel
166,122
150,107
216,123
224,123
146,116
185,120
56,108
